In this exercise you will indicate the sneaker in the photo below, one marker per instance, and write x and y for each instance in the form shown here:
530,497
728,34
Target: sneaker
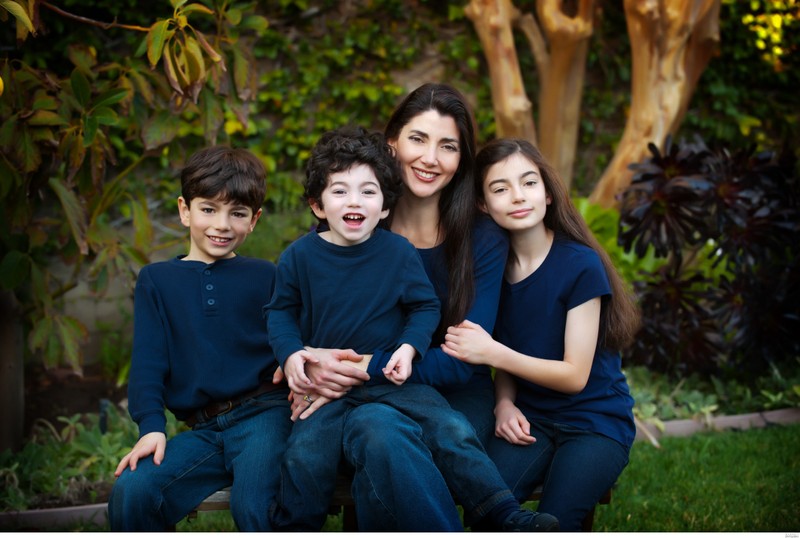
526,521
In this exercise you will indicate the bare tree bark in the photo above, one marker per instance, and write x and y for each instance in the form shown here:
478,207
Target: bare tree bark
561,80
512,109
558,42
672,42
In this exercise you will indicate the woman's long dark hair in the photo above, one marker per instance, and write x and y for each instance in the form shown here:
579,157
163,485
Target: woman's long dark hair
457,207
619,317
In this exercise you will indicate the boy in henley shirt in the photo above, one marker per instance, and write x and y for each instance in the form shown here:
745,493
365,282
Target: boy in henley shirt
201,350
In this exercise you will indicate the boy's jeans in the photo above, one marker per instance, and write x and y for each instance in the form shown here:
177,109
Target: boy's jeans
316,446
574,466
241,449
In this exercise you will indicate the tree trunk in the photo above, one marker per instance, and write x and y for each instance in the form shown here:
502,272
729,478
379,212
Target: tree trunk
561,81
672,42
12,386
512,109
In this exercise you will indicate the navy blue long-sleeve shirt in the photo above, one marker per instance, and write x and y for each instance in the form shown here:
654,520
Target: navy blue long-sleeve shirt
489,253
367,297
199,336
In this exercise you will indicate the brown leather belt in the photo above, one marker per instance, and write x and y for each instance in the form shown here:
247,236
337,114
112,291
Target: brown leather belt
220,408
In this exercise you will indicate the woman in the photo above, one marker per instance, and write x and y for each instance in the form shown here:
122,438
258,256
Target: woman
564,410
396,485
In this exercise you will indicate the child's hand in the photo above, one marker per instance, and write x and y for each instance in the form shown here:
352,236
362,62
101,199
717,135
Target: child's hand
398,369
295,371
512,425
152,443
469,342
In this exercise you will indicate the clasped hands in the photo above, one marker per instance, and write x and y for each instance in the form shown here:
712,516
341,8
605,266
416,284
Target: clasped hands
317,376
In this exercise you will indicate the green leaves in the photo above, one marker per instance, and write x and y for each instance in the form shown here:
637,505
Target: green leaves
80,88
158,35
74,211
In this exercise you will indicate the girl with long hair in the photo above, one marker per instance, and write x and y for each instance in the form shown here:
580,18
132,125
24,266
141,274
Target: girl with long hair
563,407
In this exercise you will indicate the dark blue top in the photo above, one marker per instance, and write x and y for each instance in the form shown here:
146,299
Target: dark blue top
366,297
532,320
199,336
489,253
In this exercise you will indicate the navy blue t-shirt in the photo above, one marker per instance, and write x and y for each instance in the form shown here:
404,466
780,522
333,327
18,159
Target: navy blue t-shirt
532,320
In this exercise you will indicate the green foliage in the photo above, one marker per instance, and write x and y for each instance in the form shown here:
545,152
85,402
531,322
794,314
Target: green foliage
69,462
92,136
78,135
63,465
746,95
660,397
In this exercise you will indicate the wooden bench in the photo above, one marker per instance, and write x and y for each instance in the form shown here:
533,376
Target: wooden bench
342,501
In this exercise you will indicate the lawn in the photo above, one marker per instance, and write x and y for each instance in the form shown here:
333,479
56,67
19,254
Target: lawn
711,482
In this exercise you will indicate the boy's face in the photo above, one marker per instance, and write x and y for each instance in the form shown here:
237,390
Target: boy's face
216,228
352,203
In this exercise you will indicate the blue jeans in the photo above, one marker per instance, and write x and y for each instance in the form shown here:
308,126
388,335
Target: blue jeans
477,404
395,438
574,466
240,449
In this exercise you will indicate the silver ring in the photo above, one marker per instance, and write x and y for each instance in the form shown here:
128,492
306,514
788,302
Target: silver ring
308,399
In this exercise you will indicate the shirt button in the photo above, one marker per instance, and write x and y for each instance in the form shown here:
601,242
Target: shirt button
209,287
207,272
211,301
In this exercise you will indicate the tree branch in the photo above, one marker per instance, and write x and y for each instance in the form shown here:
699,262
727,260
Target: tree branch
92,22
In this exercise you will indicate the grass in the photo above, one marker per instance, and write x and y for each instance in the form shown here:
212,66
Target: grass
710,482
735,481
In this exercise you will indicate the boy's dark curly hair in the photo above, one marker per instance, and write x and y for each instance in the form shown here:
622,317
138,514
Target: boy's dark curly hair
343,148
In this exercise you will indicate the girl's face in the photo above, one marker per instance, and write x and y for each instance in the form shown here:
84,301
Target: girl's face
514,194
216,228
352,203
429,150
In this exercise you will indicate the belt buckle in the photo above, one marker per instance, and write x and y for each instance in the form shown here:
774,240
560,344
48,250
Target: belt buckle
229,403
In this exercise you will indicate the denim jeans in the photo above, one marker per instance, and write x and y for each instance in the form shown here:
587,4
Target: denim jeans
392,436
240,449
477,404
574,466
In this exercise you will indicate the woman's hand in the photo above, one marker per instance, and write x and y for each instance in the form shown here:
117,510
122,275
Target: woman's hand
152,443
303,406
469,342
512,425
331,376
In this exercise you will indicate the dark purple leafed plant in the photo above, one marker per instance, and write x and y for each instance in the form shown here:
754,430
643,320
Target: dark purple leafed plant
728,227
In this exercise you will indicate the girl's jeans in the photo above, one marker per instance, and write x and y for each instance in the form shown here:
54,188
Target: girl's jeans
574,466
242,449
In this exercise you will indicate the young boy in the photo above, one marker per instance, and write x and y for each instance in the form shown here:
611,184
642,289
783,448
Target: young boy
358,286
201,350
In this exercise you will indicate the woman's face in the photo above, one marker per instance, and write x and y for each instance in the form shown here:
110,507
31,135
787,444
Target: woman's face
429,150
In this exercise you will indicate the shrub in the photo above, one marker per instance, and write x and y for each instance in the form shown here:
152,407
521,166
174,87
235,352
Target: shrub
728,228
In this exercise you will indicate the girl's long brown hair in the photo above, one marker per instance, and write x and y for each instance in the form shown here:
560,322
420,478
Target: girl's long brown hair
619,317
